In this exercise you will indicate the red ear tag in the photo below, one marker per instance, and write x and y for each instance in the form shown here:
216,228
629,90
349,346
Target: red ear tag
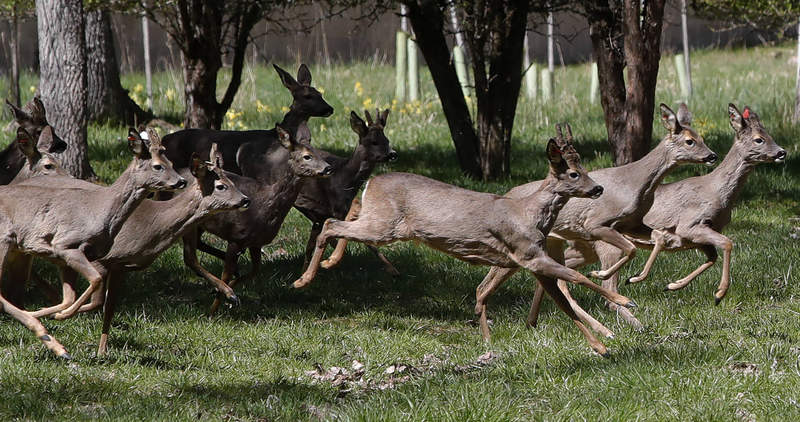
131,138
746,113
23,140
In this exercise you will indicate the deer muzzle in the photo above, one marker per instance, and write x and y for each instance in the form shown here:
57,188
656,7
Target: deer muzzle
180,184
392,155
710,159
596,192
244,203
780,156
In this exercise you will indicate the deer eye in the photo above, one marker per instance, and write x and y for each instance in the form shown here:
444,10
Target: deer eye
158,167
574,175
48,167
689,142
758,141
307,157
221,187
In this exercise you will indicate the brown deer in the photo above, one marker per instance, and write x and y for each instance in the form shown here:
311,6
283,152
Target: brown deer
38,161
306,102
479,228
258,225
691,213
623,206
74,226
32,122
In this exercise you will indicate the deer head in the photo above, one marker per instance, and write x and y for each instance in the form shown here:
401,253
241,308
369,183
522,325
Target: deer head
34,121
38,161
371,137
565,167
683,144
304,160
751,139
153,170
306,99
218,191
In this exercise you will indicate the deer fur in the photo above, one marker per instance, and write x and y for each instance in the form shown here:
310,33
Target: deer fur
73,226
31,123
479,228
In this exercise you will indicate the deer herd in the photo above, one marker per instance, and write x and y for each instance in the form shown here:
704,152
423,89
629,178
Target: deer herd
240,186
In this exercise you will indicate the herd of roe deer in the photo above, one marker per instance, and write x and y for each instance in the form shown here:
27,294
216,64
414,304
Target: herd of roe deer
194,180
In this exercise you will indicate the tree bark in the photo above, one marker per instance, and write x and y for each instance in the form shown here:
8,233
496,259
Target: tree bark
427,20
107,99
62,56
627,36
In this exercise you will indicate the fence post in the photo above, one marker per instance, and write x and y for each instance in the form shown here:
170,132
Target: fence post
413,71
687,64
680,67
595,84
400,66
147,72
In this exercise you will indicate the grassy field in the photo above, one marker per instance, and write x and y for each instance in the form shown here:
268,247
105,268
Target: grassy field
422,357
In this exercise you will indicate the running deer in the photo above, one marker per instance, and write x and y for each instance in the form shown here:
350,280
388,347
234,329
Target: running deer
257,226
331,197
306,102
72,226
631,189
691,213
32,122
479,228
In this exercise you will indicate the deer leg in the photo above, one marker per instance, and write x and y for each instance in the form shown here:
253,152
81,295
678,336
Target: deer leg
255,262
190,241
711,258
609,254
579,253
657,237
550,268
68,279
490,283
76,260
549,285
387,265
341,244
613,237
705,235
99,295
554,247
26,318
316,228
109,306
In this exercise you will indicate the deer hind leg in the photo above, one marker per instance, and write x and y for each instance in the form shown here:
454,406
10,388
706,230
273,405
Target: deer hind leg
490,283
711,258
555,248
615,238
69,279
341,244
190,241
76,260
109,306
255,268
26,318
316,228
608,255
99,295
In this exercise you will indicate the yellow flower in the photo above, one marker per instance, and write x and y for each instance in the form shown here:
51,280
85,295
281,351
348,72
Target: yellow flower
321,90
285,109
322,127
359,89
32,89
169,94
367,102
138,88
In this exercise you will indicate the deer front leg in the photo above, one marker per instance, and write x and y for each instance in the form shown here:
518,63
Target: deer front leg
550,268
657,237
68,293
341,244
109,306
255,267
190,259
76,260
711,258
615,238
490,283
609,254
705,235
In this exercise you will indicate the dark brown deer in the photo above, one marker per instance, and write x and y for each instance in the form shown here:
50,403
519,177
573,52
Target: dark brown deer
258,225
306,102
479,228
31,122
631,189
691,213
73,226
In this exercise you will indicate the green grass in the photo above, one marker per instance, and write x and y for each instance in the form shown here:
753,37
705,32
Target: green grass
694,361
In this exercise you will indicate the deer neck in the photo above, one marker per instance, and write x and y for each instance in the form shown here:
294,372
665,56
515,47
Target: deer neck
649,171
180,212
730,175
122,198
545,204
292,120
356,170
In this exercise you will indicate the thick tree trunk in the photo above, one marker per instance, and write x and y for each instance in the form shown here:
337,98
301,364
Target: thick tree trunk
62,56
107,99
427,20
627,36
200,92
497,92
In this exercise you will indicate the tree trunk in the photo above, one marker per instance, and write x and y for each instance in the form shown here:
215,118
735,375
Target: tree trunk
15,38
107,99
427,20
497,92
627,36
62,56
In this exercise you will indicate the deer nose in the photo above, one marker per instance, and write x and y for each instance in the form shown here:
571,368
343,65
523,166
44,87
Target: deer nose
781,155
328,111
392,155
245,203
327,170
711,158
596,192
180,184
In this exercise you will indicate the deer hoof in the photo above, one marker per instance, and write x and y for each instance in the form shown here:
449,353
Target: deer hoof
717,300
300,283
66,356
233,300
631,305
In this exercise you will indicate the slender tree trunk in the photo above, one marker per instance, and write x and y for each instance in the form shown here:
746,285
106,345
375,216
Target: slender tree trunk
427,20
15,37
107,99
62,56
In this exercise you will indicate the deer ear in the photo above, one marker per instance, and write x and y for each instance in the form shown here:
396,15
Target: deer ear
215,157
304,75
25,142
737,121
135,142
684,115
669,119
37,109
554,152
303,133
18,113
46,140
288,81
357,124
284,138
383,117
750,115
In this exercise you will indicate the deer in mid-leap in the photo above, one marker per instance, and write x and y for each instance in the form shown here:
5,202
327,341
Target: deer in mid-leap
72,226
479,228
306,102
623,206
691,213
271,202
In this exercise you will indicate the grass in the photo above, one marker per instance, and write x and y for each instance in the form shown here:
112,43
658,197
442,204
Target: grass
736,361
